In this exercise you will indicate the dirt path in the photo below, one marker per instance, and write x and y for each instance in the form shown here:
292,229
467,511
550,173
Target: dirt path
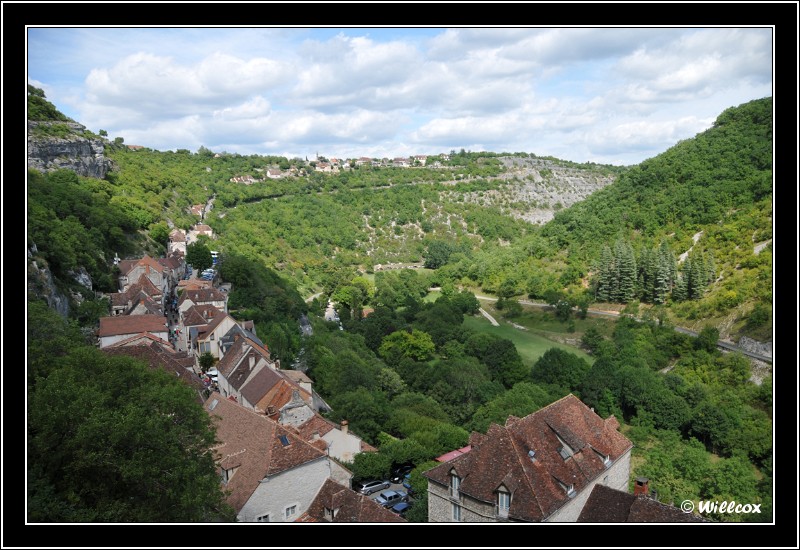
491,319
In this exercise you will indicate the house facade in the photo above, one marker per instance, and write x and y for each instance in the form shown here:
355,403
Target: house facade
541,468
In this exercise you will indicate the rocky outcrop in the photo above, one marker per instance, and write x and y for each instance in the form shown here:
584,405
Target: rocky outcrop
41,285
538,188
83,155
754,346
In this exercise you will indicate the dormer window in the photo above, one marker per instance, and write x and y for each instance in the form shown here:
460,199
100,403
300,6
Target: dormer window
503,502
455,485
569,489
227,474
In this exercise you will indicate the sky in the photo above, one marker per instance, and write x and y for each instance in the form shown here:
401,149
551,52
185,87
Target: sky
604,95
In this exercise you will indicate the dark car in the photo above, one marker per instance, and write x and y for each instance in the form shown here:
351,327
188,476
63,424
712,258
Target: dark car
401,508
400,472
371,486
407,483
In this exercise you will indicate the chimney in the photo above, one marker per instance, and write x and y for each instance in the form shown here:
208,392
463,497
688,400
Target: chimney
252,362
344,426
641,488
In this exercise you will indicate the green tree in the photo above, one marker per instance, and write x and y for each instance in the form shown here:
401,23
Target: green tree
416,345
438,254
206,361
198,256
111,440
560,368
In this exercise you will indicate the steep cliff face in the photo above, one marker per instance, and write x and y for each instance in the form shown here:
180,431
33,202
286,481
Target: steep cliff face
41,285
537,188
75,152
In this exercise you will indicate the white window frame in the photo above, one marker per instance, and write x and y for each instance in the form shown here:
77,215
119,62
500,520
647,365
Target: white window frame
456,511
503,503
263,519
287,513
455,485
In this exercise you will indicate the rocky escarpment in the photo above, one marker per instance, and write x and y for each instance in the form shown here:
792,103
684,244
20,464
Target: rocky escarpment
538,188
41,285
61,145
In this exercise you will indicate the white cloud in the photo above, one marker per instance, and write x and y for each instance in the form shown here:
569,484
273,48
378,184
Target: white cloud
581,93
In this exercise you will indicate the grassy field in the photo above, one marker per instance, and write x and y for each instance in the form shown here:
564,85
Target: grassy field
529,345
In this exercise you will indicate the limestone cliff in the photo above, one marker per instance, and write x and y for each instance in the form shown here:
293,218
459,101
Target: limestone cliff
71,150
538,188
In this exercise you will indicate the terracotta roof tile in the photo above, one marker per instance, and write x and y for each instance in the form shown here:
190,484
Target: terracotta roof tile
607,505
348,506
502,457
130,324
252,441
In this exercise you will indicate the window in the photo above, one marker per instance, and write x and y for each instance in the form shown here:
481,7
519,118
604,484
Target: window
456,512
455,485
263,519
227,474
212,336
503,503
571,491
290,511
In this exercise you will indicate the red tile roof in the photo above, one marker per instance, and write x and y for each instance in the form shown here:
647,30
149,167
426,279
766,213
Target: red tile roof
251,443
177,236
607,505
199,315
501,457
452,454
203,295
130,324
347,506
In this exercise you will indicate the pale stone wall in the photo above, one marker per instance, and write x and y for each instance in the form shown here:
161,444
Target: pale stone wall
616,477
296,487
440,502
342,446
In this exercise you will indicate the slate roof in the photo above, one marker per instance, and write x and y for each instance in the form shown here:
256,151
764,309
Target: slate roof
607,505
538,486
349,507
251,443
130,324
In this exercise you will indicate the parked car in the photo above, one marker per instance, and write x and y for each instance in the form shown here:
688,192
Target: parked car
371,486
400,472
213,374
390,498
401,508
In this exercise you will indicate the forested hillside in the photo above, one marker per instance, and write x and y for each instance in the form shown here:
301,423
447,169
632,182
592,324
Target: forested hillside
690,229
405,367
